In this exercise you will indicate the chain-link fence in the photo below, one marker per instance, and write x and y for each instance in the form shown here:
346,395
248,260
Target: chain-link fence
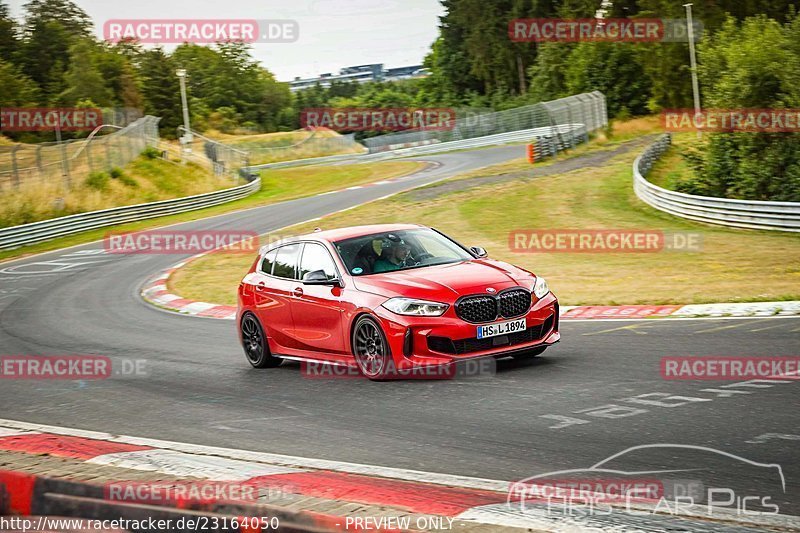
586,112
221,159
73,161
319,143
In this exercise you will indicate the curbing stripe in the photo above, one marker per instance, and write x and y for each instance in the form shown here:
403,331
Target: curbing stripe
190,465
65,446
415,497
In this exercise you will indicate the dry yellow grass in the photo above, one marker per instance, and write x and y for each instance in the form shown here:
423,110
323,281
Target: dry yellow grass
149,181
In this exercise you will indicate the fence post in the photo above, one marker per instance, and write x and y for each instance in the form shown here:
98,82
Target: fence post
14,166
108,164
39,166
89,155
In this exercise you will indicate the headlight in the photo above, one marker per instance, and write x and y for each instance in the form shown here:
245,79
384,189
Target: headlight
540,288
409,306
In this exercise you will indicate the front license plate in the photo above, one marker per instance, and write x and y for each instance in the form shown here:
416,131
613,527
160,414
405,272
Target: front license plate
501,328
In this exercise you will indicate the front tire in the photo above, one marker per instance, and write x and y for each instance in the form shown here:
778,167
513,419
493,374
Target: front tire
370,349
254,342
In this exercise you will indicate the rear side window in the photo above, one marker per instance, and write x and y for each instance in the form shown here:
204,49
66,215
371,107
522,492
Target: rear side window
286,261
269,260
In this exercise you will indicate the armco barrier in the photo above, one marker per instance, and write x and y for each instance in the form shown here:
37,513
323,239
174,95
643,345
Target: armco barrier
752,214
58,227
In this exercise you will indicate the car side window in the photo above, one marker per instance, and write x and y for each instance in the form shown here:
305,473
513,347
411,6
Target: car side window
286,261
269,260
316,257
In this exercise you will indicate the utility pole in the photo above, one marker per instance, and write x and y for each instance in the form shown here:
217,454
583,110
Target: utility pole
693,59
186,140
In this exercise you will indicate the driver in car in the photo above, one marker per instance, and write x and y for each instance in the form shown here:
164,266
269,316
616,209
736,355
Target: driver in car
394,257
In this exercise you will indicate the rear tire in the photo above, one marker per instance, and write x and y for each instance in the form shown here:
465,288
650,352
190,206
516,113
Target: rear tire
370,349
530,354
254,342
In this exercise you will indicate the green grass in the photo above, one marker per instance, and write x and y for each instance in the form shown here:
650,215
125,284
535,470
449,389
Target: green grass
732,265
277,185
672,168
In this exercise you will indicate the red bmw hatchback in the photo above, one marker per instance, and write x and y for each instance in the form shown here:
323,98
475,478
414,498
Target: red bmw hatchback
390,299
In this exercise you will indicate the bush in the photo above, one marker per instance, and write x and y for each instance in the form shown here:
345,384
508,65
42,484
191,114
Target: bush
151,153
749,65
119,175
98,181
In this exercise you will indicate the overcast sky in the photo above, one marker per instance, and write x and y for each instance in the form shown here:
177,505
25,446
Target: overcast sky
333,33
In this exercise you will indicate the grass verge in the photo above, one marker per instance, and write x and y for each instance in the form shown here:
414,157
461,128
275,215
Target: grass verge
142,180
274,147
672,168
276,185
732,265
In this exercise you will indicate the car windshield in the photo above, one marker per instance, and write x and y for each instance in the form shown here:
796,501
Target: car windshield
398,250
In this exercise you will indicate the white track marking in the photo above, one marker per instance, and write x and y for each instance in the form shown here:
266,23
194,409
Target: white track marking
6,432
190,465
197,307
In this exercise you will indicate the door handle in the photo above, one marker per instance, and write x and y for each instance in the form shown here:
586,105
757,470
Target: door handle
298,291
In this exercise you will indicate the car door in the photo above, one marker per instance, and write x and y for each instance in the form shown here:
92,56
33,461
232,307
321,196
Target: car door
273,294
318,310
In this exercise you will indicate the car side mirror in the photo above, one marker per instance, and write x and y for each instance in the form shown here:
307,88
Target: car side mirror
478,251
318,277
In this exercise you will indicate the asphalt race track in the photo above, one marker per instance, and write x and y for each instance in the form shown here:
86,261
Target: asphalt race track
595,394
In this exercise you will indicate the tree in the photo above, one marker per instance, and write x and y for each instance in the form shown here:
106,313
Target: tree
753,64
18,89
8,34
161,90
613,69
74,20
83,79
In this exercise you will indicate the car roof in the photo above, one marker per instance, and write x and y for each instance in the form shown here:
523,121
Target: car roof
339,234
333,235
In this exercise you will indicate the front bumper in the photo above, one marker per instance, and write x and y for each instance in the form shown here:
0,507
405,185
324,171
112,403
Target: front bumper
415,340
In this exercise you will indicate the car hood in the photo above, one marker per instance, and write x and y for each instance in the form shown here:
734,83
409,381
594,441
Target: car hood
446,283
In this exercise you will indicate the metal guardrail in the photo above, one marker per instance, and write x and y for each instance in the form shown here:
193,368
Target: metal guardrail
588,109
49,229
752,214
562,137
